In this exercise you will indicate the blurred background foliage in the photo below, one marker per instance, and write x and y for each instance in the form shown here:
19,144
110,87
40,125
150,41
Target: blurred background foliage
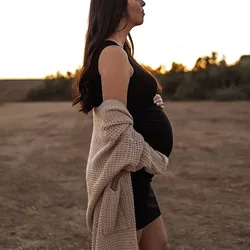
209,79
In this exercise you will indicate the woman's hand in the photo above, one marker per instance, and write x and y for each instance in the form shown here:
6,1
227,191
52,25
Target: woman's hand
159,101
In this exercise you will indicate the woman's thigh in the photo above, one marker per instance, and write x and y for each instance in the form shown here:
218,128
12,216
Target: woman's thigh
154,236
139,234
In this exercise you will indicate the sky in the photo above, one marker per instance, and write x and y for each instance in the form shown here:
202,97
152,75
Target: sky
41,37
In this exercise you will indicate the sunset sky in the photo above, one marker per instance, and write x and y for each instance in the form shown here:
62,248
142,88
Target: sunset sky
40,37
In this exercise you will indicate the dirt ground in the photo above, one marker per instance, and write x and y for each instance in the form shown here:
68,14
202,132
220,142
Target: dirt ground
204,198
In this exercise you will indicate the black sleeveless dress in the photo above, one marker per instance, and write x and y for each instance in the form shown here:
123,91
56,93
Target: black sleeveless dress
150,121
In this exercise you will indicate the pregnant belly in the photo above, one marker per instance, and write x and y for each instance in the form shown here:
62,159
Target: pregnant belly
156,129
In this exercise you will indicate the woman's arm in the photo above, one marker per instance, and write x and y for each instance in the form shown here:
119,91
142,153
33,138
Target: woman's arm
115,71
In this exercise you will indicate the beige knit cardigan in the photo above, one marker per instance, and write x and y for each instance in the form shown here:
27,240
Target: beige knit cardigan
116,149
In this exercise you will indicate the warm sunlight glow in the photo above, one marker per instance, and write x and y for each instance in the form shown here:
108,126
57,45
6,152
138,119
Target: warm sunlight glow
39,38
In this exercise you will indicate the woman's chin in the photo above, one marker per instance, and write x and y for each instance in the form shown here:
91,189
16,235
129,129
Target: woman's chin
141,21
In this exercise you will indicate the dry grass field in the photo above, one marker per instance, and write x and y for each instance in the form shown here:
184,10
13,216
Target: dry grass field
204,198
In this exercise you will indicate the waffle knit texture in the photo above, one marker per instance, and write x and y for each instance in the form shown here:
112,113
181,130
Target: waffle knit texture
116,149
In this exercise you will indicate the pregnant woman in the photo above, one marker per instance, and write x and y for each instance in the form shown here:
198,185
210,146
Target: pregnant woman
110,72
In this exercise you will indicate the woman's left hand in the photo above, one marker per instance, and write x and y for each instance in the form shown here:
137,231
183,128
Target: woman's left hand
159,101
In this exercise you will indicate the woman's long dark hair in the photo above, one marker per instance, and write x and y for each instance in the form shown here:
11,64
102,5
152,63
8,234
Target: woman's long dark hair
104,17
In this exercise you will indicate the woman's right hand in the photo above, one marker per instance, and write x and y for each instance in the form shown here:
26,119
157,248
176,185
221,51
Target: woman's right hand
159,101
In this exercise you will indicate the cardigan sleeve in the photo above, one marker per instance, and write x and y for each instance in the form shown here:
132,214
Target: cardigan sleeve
152,160
129,148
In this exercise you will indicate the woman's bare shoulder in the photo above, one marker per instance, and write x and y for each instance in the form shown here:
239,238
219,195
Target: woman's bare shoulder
113,58
115,71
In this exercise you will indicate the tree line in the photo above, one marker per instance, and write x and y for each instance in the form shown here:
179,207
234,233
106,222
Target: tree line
209,79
